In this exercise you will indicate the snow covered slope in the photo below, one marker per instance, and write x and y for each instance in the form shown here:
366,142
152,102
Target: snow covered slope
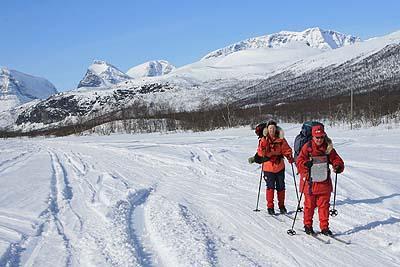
187,199
356,52
313,37
9,117
17,88
365,66
260,64
151,69
102,74
245,64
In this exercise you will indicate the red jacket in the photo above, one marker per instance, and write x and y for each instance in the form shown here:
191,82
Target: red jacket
334,159
274,148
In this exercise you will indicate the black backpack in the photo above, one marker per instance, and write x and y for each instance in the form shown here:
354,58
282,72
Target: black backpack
304,136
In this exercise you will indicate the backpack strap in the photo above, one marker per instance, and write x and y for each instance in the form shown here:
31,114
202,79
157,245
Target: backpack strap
309,150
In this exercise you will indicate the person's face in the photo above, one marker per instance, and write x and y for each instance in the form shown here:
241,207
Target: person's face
271,130
319,140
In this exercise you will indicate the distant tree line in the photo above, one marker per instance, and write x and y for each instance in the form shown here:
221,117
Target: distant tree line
370,108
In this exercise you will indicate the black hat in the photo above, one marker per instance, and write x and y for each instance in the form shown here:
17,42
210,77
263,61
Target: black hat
271,122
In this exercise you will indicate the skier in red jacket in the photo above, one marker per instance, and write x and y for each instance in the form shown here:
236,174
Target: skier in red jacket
315,158
274,146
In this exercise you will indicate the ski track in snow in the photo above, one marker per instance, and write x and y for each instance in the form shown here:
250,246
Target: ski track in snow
14,228
59,197
187,200
15,161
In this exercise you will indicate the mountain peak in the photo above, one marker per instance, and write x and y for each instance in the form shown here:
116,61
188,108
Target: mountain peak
17,88
151,69
314,29
102,73
100,62
313,37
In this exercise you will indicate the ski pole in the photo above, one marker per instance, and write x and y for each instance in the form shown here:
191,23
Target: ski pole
333,212
259,188
295,186
291,231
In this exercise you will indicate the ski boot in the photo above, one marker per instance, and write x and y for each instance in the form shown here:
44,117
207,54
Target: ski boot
309,230
283,210
326,232
271,211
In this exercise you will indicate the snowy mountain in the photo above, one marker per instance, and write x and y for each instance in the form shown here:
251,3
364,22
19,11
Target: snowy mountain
368,66
292,72
151,69
314,37
102,74
17,88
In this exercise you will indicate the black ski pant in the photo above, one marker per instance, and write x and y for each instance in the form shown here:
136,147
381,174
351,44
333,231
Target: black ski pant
275,180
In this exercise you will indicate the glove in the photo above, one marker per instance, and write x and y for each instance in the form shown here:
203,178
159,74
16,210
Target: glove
338,169
259,159
251,160
309,164
290,160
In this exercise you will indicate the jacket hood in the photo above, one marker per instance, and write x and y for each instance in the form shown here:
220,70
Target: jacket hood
279,132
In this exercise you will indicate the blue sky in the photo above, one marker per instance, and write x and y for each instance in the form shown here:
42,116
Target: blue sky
58,40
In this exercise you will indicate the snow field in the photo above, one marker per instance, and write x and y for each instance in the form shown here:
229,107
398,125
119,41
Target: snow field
187,199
